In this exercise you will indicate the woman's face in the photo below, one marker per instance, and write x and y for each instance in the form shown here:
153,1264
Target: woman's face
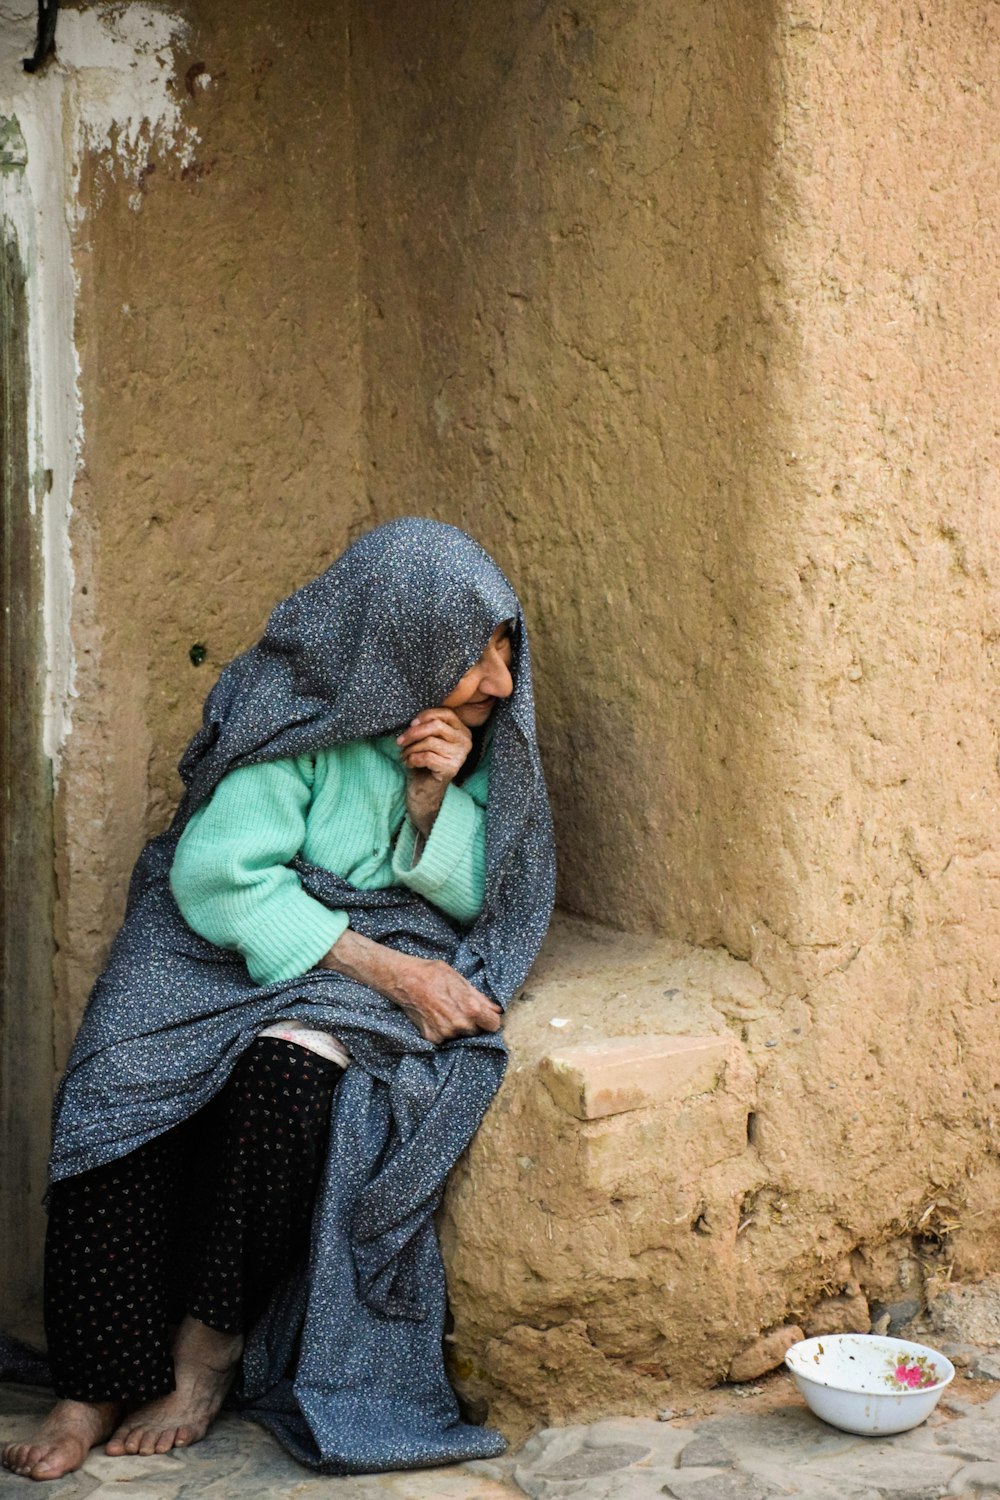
473,697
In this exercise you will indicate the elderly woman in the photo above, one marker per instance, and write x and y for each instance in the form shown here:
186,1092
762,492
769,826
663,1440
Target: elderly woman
297,1032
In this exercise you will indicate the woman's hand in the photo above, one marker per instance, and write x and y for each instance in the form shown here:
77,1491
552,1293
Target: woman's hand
439,1002
435,746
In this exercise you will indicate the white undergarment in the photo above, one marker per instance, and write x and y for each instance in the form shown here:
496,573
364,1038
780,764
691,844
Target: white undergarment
308,1037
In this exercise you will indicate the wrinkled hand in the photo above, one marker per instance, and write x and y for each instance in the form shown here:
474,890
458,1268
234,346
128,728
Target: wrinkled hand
441,1004
435,746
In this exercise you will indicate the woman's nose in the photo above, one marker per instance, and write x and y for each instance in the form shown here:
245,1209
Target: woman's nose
498,681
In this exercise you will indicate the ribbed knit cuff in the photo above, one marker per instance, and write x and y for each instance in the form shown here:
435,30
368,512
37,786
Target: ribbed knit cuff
447,845
297,936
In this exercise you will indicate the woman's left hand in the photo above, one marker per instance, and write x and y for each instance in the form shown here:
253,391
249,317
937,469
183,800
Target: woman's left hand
435,746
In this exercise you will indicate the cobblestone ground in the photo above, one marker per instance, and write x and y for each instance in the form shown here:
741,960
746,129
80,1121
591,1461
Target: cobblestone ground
747,1452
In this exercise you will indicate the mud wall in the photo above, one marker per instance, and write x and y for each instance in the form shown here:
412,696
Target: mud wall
688,312
218,337
568,350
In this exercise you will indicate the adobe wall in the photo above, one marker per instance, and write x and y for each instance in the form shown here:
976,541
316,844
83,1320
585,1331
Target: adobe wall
217,328
569,350
689,317
689,313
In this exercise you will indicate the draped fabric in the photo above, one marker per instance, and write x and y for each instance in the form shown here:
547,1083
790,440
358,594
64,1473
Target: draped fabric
346,1367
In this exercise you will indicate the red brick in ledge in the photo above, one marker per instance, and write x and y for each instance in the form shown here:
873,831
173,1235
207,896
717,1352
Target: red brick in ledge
633,1072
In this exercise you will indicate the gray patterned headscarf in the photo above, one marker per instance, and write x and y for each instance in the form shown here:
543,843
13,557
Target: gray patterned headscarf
346,1367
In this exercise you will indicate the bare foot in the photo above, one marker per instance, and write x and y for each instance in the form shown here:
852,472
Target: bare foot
64,1439
204,1368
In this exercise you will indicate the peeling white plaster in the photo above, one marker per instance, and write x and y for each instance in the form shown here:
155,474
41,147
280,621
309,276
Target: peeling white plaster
120,60
110,90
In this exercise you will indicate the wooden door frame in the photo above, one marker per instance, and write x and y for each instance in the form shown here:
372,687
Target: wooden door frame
26,823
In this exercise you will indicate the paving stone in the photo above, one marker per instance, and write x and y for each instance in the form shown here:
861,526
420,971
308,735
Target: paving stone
499,1469
791,1480
930,1437
706,1452
884,1466
587,1461
164,1466
429,1484
977,1479
73,1487
114,1491
919,1492
974,1437
720,1487
557,1451
626,1484
787,1434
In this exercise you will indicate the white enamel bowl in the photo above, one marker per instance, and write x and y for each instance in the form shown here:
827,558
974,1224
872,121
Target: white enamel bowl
864,1383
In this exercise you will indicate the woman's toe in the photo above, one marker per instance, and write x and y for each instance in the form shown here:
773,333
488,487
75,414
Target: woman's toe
165,1441
49,1463
147,1446
13,1457
133,1440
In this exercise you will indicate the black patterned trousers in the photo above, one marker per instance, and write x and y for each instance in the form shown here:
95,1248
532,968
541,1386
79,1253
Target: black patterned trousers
205,1219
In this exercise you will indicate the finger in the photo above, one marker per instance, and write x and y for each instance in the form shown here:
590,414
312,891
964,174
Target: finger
440,744
446,715
455,734
438,765
456,754
479,1011
448,721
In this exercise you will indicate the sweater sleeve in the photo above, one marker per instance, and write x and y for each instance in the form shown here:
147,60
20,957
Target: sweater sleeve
451,869
230,874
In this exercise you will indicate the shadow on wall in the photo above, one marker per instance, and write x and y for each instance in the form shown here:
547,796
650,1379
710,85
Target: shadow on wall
567,349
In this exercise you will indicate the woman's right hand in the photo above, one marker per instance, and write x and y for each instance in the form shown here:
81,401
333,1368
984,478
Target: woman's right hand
439,1002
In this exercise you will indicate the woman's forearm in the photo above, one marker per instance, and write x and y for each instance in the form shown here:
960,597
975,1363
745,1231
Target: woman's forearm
439,1002
370,963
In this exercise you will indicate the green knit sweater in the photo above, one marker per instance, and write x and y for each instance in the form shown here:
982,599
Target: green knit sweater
343,809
